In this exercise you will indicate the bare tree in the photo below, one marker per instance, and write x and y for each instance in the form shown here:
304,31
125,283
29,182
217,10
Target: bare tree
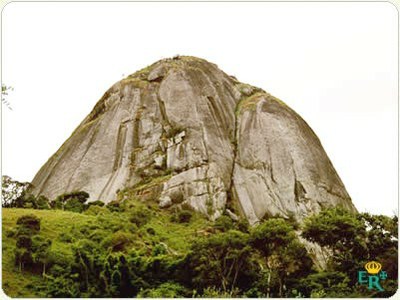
4,92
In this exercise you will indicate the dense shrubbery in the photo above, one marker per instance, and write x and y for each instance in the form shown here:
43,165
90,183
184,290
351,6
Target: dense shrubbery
134,250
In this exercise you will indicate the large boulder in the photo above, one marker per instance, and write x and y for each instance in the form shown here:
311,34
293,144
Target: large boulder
200,138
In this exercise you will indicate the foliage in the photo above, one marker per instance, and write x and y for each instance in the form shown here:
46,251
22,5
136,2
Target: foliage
140,216
222,260
42,202
323,284
97,202
165,290
182,216
74,201
355,239
114,206
224,223
119,241
96,210
29,222
140,251
31,249
213,292
16,194
151,259
283,254
41,251
335,228
12,192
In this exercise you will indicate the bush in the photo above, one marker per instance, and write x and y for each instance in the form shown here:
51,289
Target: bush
118,241
65,237
74,205
184,216
151,231
114,206
98,235
243,225
140,216
213,292
165,290
74,201
42,202
96,203
24,241
30,222
11,233
95,210
159,249
224,223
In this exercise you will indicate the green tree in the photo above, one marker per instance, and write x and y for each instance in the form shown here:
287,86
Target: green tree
283,254
355,239
381,234
74,201
28,226
41,251
86,255
337,229
29,222
23,256
221,260
115,276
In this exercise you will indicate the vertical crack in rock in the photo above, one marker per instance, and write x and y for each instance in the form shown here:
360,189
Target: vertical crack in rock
120,147
234,138
299,191
121,138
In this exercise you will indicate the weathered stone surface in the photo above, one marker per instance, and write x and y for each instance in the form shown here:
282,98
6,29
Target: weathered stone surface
216,143
281,168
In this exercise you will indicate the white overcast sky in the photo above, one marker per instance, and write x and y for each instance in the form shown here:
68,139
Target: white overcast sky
334,63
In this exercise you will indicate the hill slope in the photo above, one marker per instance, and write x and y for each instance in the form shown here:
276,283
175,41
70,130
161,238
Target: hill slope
66,229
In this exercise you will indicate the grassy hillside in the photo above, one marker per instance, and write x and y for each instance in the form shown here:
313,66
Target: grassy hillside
136,249
66,229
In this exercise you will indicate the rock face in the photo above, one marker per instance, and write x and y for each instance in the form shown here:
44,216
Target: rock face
199,138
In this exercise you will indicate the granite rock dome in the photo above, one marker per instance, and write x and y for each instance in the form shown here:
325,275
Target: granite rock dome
196,136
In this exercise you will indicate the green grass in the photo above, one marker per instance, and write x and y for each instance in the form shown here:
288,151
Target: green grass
21,284
56,223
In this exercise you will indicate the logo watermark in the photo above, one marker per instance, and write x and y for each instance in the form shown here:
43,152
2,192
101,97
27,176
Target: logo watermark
373,276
